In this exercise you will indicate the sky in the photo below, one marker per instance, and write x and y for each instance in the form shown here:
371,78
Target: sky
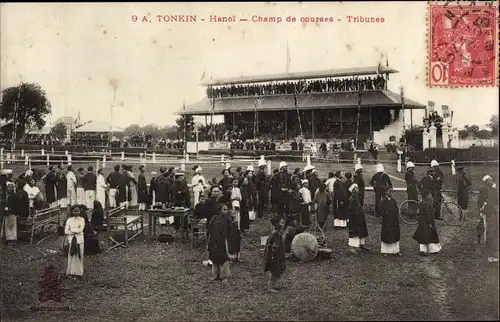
94,60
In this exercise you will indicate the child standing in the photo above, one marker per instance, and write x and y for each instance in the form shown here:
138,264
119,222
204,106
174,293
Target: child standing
274,254
219,231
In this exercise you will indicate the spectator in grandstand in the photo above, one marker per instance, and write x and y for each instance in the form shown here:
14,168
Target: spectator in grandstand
310,86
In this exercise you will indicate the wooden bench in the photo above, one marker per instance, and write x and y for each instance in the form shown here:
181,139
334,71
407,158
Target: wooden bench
121,220
41,219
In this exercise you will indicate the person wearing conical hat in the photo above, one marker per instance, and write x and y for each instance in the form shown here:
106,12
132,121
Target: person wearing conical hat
438,180
198,183
262,187
464,186
357,224
380,183
360,181
411,185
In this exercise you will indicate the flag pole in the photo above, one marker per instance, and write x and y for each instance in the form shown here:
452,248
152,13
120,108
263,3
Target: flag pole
360,97
403,111
296,99
185,129
255,119
212,118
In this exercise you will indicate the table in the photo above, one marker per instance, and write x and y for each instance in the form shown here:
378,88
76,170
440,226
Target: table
182,213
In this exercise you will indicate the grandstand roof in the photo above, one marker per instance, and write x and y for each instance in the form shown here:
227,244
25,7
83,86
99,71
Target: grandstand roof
310,101
65,120
97,127
43,131
338,72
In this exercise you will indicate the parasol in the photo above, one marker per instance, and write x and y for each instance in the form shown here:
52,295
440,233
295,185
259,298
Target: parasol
305,247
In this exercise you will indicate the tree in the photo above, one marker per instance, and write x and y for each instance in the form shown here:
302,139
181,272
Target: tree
59,131
133,129
153,130
184,119
32,107
169,132
493,125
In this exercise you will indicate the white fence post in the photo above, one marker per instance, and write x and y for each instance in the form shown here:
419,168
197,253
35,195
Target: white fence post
104,161
48,159
69,159
123,156
1,158
453,169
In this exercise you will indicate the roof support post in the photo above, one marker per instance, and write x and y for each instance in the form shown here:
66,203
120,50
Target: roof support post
371,122
341,125
286,125
312,124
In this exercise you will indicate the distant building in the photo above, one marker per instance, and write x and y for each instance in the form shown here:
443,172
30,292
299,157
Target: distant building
70,125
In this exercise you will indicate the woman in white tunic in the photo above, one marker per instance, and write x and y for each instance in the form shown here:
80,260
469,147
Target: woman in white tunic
198,183
74,231
101,188
133,188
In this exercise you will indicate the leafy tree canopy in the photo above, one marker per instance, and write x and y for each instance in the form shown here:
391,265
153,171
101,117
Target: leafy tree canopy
32,107
58,131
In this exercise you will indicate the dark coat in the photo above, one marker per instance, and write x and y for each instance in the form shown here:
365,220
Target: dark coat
62,185
463,191
50,187
142,189
357,223
122,188
426,232
360,181
274,255
262,187
219,230
390,221
89,181
380,181
411,186
162,192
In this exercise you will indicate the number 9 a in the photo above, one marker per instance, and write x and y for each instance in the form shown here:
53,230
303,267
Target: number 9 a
134,18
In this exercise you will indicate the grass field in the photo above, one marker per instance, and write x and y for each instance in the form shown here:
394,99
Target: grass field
168,282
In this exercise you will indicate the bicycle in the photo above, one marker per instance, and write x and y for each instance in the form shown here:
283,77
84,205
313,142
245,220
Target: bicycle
451,212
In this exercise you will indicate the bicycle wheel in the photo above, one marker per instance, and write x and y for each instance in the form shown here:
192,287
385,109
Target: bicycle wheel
408,212
451,213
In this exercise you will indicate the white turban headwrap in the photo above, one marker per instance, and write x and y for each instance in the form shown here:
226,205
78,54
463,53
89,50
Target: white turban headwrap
351,188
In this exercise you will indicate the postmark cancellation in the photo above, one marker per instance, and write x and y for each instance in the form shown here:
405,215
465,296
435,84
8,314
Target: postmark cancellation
463,40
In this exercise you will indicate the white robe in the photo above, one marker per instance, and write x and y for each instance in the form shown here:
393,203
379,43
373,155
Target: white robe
101,190
197,187
71,178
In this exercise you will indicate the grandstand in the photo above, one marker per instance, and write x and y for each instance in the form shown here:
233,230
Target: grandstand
324,102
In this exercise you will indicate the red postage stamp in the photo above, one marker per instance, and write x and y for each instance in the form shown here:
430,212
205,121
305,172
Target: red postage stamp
463,39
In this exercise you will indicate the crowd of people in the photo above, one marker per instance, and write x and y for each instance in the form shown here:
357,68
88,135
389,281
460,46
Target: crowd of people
311,86
228,205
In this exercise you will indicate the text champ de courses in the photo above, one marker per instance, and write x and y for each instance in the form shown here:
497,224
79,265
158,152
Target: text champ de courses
259,19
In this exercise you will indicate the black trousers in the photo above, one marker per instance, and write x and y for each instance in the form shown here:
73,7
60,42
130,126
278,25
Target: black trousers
261,206
284,204
438,199
378,199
